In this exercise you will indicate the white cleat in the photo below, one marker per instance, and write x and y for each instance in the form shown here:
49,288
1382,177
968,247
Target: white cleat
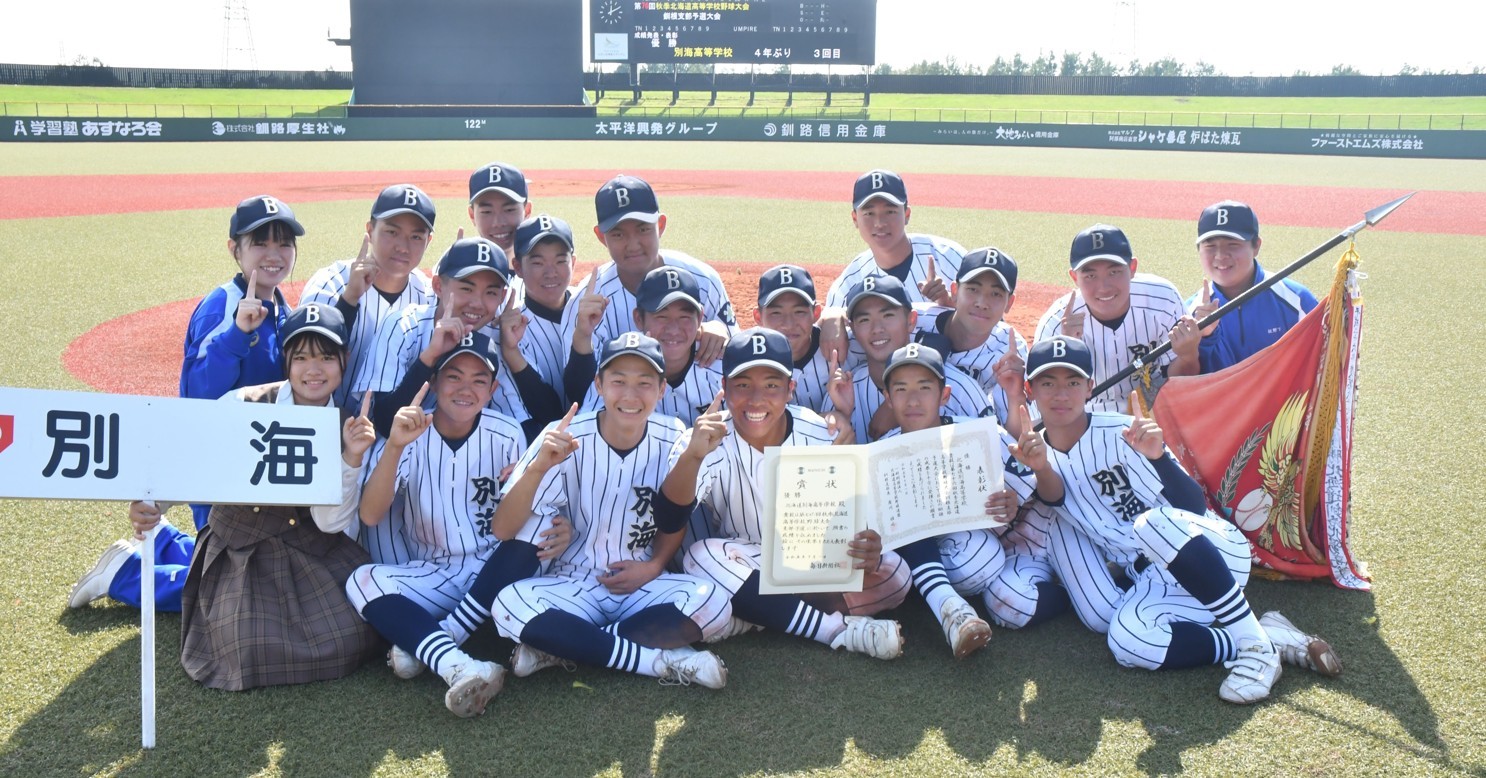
880,638
1299,649
734,628
965,631
94,583
472,686
1253,674
403,664
686,666
526,660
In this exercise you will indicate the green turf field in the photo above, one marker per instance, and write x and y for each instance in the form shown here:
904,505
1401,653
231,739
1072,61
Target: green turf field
1048,700
1413,113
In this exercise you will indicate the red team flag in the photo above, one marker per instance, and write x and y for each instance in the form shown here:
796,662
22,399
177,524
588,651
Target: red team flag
1270,439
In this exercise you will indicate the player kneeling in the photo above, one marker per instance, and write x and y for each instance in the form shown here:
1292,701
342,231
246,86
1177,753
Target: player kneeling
1017,592
718,463
605,600
1130,503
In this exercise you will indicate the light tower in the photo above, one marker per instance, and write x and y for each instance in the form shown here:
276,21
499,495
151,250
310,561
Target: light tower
237,37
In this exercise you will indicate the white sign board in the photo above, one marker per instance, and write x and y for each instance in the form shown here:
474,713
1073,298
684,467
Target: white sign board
88,446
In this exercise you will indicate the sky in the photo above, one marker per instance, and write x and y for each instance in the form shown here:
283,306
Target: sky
1255,37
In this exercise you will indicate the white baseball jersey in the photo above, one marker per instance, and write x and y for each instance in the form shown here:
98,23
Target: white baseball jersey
549,338
1107,485
978,362
965,398
451,492
1155,307
730,477
946,253
812,374
686,398
397,345
326,287
619,317
607,495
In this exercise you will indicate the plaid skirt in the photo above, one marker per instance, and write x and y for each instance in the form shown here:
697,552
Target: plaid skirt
265,602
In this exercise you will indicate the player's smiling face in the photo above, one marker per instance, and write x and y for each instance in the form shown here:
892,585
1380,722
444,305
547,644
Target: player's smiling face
1229,262
547,272
398,242
269,250
982,301
634,246
314,374
792,316
1105,287
676,327
496,217
757,398
462,389
881,327
1060,394
883,225
631,389
476,298
916,395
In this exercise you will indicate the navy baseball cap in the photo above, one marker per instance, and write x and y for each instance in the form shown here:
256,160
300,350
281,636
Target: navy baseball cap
915,354
540,227
989,260
638,344
1059,351
314,317
472,255
499,177
1100,242
625,197
783,279
255,212
879,183
757,347
403,198
885,287
1228,219
665,285
475,343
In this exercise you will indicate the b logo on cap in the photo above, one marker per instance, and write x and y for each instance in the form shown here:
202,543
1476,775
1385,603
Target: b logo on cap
544,222
409,196
877,181
621,197
1098,238
786,276
911,351
673,280
631,340
468,340
270,205
869,284
992,257
759,345
495,174
484,253
1222,216
1060,349
312,314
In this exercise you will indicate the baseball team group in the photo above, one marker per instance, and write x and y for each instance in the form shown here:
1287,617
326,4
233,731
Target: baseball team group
578,463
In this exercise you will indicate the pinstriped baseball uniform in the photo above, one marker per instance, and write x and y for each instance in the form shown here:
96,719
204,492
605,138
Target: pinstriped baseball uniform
965,398
549,337
978,362
327,286
1155,307
619,317
684,399
812,374
450,495
946,253
400,340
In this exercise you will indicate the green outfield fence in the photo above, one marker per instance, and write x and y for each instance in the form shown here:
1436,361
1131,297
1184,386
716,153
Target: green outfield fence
1307,121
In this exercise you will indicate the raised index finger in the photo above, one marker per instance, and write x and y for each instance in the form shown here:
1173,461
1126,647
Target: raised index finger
932,272
593,282
1137,404
716,403
562,426
366,402
365,247
1068,306
1207,292
418,398
835,361
253,284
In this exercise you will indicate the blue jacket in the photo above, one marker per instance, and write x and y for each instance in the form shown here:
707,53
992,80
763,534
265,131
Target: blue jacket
1256,325
220,357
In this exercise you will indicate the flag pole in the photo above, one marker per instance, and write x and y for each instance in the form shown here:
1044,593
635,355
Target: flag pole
1369,219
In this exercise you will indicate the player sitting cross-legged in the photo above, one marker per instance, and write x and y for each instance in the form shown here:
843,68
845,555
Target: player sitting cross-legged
718,464
1129,503
445,465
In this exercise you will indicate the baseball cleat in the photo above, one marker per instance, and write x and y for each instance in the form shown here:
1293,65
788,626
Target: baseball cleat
734,628
403,664
1299,649
1253,673
471,687
880,638
526,660
965,631
94,583
687,666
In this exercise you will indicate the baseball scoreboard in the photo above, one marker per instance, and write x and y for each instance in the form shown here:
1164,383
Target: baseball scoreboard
829,32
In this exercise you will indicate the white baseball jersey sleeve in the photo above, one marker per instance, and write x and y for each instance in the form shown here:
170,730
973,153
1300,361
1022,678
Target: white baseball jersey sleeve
549,338
326,287
978,362
1107,485
619,317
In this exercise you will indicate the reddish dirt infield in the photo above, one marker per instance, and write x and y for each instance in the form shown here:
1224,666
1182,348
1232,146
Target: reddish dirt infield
1280,205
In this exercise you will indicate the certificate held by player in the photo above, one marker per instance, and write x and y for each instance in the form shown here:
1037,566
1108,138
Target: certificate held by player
909,487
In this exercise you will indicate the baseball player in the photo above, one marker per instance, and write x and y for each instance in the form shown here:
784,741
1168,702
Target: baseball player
1120,314
717,463
446,464
1228,246
787,305
498,204
882,321
544,263
979,338
605,600
668,308
1018,587
630,225
1128,502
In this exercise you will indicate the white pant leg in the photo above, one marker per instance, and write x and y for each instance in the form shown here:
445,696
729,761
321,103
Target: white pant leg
519,603
726,563
434,587
1163,532
708,605
1011,599
1084,571
972,560
1141,629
